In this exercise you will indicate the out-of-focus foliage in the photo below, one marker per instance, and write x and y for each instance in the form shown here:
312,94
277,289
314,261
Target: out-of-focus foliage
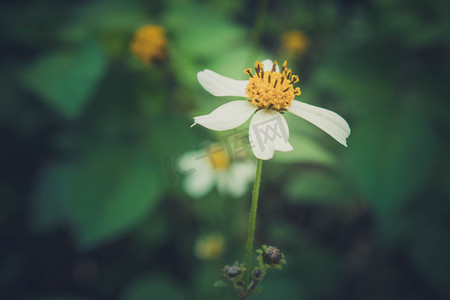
66,91
92,205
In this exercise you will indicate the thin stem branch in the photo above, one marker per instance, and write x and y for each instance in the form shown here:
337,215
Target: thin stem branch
251,224
251,289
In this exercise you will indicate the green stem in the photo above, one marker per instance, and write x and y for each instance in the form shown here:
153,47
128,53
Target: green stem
251,224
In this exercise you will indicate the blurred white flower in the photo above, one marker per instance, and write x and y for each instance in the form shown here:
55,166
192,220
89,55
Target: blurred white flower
212,167
270,93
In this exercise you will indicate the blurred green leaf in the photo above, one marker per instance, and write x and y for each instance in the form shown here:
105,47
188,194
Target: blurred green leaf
109,22
152,287
112,15
429,241
195,38
195,44
105,194
364,74
221,283
173,147
312,269
152,232
114,190
306,150
187,68
318,188
412,24
391,154
233,62
279,287
430,254
49,208
66,79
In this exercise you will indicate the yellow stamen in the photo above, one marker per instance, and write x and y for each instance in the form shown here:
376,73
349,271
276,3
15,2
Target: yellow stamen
270,89
284,66
274,67
248,71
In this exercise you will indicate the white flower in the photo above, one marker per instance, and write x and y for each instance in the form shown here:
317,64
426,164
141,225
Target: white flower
205,169
269,93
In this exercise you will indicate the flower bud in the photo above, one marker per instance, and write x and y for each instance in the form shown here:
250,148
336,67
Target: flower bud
272,256
233,271
257,273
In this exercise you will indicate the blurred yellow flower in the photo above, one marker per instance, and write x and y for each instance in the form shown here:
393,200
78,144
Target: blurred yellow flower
294,41
149,43
209,247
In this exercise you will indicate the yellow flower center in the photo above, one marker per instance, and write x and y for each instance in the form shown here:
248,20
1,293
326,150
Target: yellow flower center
270,89
149,43
219,159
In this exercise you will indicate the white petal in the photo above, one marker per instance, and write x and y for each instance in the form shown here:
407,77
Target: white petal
239,176
221,182
325,119
235,187
268,64
219,85
199,183
227,116
189,162
268,132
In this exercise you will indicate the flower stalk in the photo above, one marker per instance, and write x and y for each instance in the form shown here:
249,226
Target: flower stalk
252,223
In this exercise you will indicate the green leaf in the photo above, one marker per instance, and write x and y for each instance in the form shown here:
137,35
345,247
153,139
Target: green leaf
278,287
187,22
195,46
306,150
429,241
66,79
152,287
114,190
49,206
430,249
234,61
318,188
391,154
105,194
312,269
355,74
112,15
221,283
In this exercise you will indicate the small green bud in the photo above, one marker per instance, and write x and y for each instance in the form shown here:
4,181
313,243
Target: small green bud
272,256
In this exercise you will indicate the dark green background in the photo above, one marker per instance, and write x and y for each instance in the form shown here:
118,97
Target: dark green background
87,210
